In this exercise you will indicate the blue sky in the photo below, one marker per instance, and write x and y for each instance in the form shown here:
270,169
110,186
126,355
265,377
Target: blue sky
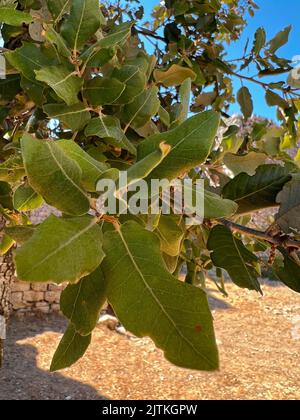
273,15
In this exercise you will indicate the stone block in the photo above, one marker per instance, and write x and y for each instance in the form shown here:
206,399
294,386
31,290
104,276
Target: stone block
33,296
20,286
52,297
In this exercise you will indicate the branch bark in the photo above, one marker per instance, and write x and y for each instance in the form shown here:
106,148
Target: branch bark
277,241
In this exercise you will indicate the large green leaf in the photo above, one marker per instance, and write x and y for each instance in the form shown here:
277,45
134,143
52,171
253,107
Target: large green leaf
14,17
91,168
63,81
27,59
53,175
74,117
191,144
149,301
288,217
134,80
26,199
257,192
81,303
288,272
71,348
61,250
229,253
103,91
109,128
139,112
82,23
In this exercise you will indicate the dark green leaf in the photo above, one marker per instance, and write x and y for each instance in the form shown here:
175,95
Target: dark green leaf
229,253
81,303
71,348
257,192
62,176
143,284
61,250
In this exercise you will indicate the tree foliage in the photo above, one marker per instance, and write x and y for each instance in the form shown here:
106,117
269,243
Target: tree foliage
92,89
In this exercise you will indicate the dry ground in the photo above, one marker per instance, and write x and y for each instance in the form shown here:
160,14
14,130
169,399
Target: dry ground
259,358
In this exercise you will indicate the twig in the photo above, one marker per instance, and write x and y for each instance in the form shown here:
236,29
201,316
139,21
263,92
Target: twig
288,243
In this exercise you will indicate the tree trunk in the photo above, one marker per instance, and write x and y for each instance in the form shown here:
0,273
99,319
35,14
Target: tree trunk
6,279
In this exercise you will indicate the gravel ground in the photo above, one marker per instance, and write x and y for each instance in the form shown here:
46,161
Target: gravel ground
259,341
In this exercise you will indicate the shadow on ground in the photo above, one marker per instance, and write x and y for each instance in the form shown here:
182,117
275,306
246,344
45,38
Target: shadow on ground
25,381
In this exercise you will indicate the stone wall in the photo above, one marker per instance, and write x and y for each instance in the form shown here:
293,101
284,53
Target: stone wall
33,298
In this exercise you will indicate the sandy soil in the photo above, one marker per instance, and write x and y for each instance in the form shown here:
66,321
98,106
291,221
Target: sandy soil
259,341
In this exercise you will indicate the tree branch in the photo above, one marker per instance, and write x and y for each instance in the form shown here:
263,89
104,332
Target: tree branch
288,243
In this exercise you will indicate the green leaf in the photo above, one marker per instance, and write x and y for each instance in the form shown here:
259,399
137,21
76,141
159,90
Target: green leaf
28,59
12,170
116,37
109,128
245,100
134,80
6,195
191,144
6,243
20,234
288,217
273,99
139,112
280,40
91,168
82,23
9,87
171,235
75,117
71,348
65,83
81,303
58,7
229,253
216,207
174,76
61,250
144,285
244,163
259,41
14,17
185,99
26,199
257,192
103,91
288,272
55,38
59,184
34,90
101,57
